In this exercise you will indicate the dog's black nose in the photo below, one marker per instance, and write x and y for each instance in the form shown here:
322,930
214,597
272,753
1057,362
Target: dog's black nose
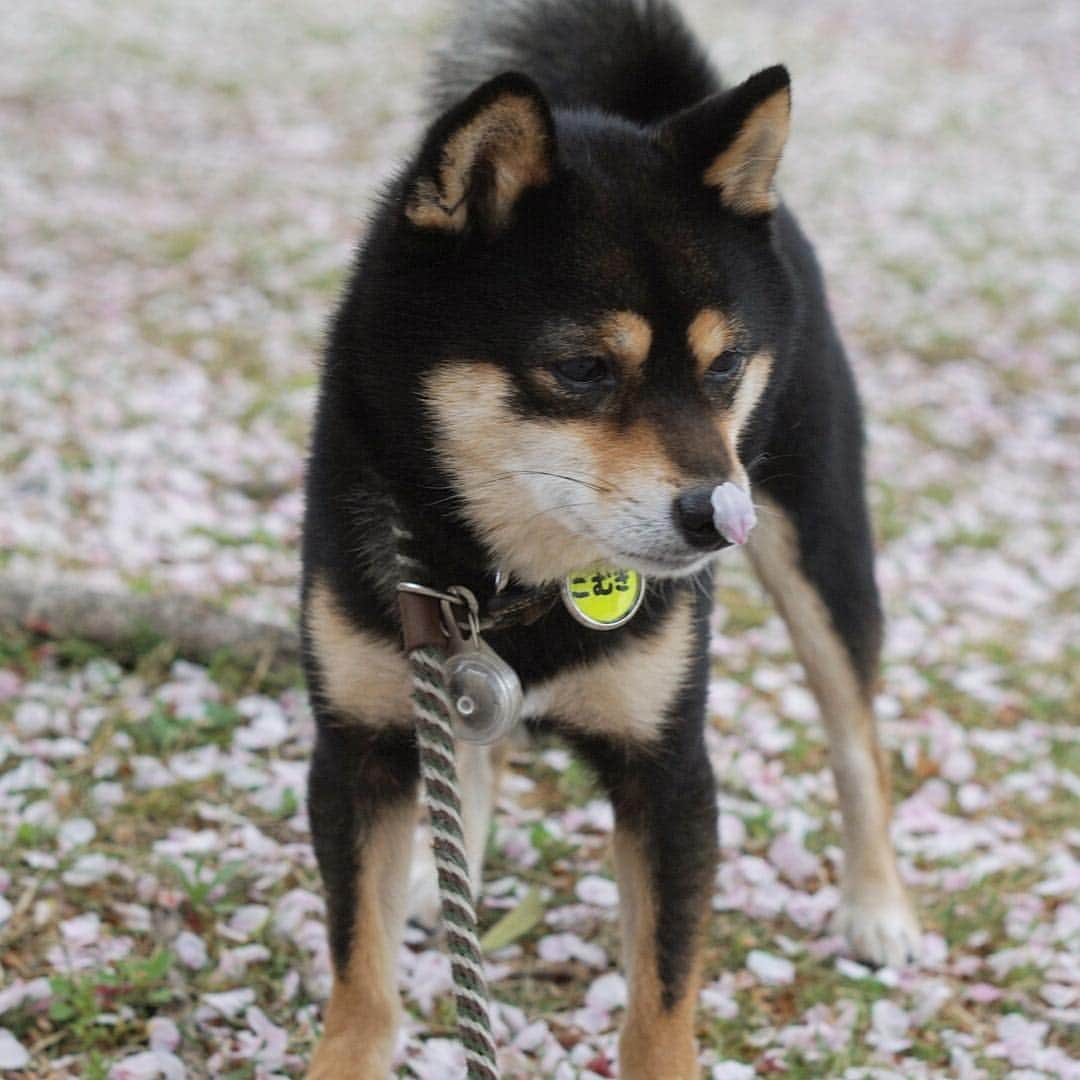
694,516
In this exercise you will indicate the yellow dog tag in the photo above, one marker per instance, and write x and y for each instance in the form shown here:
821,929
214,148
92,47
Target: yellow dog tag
603,597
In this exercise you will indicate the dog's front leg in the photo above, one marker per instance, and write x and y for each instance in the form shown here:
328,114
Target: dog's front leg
363,808
665,860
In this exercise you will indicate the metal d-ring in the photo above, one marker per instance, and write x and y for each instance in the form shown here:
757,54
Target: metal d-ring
455,596
426,590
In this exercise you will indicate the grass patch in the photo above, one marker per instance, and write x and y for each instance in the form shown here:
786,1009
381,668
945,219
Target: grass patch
106,1008
208,891
576,783
235,676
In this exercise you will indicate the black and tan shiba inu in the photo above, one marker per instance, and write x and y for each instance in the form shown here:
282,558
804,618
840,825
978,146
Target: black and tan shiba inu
579,316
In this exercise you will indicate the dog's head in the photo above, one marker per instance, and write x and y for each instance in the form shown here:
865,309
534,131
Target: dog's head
595,311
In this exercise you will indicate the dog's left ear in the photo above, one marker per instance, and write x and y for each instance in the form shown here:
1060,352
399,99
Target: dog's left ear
735,139
480,157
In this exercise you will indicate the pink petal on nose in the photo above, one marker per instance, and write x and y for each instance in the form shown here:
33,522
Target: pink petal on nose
733,512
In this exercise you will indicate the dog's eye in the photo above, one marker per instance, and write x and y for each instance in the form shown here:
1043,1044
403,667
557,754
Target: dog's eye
725,367
583,372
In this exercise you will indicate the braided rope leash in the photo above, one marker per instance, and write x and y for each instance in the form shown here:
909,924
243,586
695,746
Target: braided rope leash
434,731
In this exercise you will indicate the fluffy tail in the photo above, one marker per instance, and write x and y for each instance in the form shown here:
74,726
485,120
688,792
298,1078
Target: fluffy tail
635,58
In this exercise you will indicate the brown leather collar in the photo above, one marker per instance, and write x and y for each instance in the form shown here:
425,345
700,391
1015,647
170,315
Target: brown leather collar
422,613
421,621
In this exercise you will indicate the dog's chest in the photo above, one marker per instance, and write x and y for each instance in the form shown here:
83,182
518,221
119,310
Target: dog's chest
627,694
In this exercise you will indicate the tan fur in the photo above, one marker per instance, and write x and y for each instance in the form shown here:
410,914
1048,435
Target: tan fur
510,133
751,386
628,337
655,1042
862,777
622,455
363,676
710,334
744,171
481,443
363,1012
624,696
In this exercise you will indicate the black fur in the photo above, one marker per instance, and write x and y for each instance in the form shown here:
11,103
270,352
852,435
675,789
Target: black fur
625,223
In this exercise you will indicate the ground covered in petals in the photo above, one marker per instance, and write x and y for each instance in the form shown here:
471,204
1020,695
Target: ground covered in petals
182,187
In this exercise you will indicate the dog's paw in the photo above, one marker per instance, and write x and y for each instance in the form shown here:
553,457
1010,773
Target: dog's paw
884,931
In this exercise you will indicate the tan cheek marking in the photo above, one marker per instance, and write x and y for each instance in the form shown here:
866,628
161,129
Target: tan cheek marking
363,1012
710,334
862,774
481,442
468,401
654,1041
625,696
363,676
628,337
744,171
751,386
512,134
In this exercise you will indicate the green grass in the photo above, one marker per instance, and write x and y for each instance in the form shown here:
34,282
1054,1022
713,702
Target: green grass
129,992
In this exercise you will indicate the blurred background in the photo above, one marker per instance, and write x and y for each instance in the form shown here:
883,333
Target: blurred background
181,190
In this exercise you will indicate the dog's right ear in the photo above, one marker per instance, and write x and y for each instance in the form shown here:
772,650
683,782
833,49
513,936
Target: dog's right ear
481,156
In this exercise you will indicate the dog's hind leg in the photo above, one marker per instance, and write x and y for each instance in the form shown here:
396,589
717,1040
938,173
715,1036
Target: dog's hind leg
362,801
812,550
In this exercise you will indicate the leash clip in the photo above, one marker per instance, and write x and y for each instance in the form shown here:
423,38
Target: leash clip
484,691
